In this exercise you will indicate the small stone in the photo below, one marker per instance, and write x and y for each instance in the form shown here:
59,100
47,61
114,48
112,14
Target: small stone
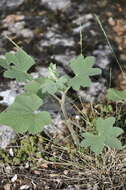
55,5
11,152
6,136
8,169
123,57
8,97
14,178
24,187
111,21
26,33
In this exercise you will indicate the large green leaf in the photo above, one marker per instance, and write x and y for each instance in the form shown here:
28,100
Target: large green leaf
116,95
16,65
107,136
22,115
82,68
34,86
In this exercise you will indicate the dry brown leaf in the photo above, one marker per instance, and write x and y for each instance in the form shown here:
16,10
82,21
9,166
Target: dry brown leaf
13,18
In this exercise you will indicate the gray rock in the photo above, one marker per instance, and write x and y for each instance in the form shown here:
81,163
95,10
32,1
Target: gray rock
65,59
19,29
26,33
52,37
55,5
9,94
8,97
58,131
55,128
10,4
82,22
14,27
6,136
95,92
102,55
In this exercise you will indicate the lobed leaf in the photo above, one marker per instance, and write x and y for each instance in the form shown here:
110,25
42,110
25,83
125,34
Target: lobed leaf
116,95
52,86
17,65
34,86
22,115
107,136
82,68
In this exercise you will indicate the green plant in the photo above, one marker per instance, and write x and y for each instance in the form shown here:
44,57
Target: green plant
116,95
24,114
106,136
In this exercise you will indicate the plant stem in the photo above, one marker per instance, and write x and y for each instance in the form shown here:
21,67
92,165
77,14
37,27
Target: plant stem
58,99
67,120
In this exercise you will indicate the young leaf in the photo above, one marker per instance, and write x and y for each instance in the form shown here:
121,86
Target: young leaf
22,115
60,83
54,74
116,95
17,65
107,136
53,86
82,67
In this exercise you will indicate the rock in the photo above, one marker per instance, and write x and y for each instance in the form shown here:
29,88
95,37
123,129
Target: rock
103,57
15,25
65,59
17,28
111,21
58,131
53,38
14,28
9,94
10,4
82,22
8,97
6,136
95,92
26,33
55,5
123,57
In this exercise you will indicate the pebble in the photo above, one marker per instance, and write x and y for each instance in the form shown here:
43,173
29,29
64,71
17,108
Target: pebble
6,136
55,5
